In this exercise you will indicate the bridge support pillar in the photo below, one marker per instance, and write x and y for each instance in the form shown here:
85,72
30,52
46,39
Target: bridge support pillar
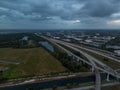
80,62
118,79
73,57
83,62
69,55
92,69
97,79
108,77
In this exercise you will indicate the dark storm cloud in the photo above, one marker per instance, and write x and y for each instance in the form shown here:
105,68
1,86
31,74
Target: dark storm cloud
99,8
87,11
62,8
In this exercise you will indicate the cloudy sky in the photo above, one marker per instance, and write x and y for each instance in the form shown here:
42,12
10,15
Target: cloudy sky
59,14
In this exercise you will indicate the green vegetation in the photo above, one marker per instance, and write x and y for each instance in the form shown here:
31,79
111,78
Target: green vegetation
54,88
72,85
31,43
28,44
107,61
33,61
115,87
19,40
30,88
2,64
69,62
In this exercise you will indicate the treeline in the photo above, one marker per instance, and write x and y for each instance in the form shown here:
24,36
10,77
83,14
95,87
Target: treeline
69,62
10,40
15,40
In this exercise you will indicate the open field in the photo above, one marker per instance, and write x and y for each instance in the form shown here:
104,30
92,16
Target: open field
33,61
115,87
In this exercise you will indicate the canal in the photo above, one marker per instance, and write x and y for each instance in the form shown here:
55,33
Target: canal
60,82
47,45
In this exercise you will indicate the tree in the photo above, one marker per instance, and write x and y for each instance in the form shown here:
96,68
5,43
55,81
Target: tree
30,88
40,88
54,88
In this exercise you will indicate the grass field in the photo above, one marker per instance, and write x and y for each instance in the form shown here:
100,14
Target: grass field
115,87
34,61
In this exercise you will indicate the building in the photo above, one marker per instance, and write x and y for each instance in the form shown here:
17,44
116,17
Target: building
117,52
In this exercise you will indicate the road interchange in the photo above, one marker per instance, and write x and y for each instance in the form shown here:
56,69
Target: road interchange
93,62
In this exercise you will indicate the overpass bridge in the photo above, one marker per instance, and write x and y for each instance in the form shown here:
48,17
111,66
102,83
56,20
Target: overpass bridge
93,62
78,59
106,68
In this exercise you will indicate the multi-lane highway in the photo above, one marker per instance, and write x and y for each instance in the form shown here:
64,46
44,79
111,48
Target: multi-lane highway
98,52
103,52
96,64
97,73
89,57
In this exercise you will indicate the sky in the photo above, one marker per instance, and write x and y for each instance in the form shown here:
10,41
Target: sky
59,14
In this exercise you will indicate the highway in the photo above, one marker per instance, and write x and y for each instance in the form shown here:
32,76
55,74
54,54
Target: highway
97,73
72,46
97,52
69,52
104,66
103,52
96,64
